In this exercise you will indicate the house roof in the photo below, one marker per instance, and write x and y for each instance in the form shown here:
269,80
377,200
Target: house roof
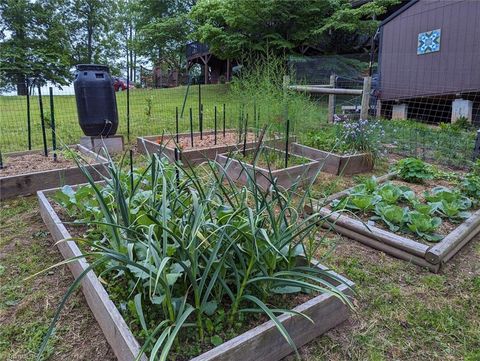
408,5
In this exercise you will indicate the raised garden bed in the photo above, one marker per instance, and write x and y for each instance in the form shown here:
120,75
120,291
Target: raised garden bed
203,149
338,164
424,251
242,169
27,172
263,342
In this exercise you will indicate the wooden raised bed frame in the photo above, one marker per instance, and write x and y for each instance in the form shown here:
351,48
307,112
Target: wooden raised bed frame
432,256
241,172
149,145
29,183
263,342
336,163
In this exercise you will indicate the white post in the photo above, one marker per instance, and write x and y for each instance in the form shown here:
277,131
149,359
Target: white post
331,101
367,85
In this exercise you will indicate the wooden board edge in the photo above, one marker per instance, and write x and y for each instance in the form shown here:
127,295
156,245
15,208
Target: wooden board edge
114,327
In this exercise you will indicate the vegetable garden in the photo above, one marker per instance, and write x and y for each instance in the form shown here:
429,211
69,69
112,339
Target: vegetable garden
201,244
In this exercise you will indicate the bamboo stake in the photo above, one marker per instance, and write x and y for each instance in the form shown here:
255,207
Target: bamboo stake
1,160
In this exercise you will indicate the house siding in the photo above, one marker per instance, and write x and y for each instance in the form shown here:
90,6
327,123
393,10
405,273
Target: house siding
453,69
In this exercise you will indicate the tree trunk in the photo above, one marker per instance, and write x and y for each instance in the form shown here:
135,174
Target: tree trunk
21,85
89,44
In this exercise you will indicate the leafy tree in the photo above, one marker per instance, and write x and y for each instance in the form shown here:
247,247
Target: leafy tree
91,28
32,44
163,27
233,28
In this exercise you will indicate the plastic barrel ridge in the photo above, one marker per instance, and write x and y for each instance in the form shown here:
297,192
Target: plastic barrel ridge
96,102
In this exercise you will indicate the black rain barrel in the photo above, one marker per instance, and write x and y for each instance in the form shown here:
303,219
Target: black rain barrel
96,103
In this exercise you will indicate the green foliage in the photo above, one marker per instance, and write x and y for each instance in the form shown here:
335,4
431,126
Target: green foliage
461,124
471,186
413,170
35,47
185,245
260,86
235,28
424,226
387,202
393,215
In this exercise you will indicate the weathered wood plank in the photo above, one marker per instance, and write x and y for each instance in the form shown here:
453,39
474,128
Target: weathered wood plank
335,163
242,172
394,251
29,183
392,239
265,343
436,253
116,331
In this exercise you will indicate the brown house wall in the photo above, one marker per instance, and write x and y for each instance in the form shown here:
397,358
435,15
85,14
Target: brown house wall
454,69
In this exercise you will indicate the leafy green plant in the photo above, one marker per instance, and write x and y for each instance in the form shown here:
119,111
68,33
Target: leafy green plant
452,210
184,246
393,215
470,185
390,193
424,226
357,202
413,170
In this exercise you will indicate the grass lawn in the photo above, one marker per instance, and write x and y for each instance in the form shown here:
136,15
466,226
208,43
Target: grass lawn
151,112
144,120
402,311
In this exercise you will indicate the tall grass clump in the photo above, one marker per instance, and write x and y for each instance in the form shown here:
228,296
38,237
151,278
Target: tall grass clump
259,88
193,254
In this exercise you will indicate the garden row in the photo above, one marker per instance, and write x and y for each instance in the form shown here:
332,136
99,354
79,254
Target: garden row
194,266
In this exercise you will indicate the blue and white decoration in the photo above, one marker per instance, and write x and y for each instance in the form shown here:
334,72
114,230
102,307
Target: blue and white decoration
429,42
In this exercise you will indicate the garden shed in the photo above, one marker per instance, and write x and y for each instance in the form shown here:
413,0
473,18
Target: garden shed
428,61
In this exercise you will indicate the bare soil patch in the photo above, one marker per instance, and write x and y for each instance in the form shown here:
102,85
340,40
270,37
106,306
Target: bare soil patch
35,162
206,141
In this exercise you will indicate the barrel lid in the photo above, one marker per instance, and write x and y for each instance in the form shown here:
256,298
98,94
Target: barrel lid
98,67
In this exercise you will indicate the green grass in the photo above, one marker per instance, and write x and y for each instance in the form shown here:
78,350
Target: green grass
27,306
304,115
13,110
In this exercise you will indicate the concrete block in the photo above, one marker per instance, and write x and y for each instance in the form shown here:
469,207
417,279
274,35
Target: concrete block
399,111
114,144
462,108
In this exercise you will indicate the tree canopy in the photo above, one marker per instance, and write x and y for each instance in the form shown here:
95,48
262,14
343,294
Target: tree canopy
44,39
234,28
